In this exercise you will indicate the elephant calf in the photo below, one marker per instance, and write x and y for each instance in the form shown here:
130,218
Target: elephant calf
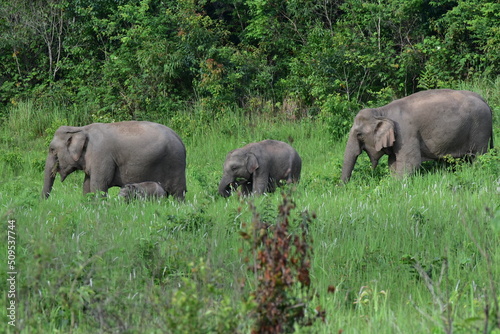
258,167
142,190
427,125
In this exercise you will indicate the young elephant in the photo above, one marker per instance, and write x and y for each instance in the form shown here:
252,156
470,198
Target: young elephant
259,167
142,190
427,125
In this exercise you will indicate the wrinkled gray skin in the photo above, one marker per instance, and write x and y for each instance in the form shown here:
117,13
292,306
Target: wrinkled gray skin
116,154
258,167
423,126
142,190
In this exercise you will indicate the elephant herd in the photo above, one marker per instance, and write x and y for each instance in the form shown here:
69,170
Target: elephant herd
149,159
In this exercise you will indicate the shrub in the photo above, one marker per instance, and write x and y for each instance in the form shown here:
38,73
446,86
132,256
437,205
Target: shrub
281,263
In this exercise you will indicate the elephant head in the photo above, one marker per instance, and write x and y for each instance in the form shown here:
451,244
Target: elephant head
131,191
127,190
65,155
372,133
239,166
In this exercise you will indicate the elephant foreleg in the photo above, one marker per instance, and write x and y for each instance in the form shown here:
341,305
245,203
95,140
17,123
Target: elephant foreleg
392,164
98,185
246,188
260,183
406,164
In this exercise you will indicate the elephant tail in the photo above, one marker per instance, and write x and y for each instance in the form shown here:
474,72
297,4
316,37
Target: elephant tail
491,132
491,137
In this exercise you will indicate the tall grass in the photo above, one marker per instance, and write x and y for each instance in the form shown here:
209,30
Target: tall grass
30,118
100,265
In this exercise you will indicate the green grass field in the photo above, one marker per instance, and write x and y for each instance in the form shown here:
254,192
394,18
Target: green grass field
92,265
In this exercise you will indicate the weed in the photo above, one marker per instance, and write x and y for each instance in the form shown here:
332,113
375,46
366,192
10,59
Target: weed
14,160
281,265
490,161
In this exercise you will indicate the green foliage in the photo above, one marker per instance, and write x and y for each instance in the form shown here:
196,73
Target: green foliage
471,44
51,130
12,159
490,161
150,59
337,114
187,310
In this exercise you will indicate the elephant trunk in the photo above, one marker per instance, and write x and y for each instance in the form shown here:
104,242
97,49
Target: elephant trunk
49,175
225,186
352,151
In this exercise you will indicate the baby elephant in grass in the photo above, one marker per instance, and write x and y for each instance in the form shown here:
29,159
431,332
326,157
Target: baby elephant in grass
142,190
259,167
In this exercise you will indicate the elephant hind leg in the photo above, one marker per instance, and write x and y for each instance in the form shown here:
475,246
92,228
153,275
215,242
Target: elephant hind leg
178,192
86,184
272,183
288,176
175,185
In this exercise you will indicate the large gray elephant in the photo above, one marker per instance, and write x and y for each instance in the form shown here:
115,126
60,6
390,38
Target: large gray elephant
258,167
116,154
427,125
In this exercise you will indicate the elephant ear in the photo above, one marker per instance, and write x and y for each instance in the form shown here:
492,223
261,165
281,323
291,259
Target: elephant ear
76,143
252,163
384,134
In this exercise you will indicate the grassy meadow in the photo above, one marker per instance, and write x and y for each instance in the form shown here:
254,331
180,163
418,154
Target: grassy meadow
417,255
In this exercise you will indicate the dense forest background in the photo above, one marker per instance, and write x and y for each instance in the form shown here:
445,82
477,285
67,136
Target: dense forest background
138,59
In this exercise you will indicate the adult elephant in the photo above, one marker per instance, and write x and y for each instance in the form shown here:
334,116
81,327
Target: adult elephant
116,154
427,125
258,167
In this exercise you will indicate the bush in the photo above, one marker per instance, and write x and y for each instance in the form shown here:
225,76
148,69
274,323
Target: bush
338,114
281,261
